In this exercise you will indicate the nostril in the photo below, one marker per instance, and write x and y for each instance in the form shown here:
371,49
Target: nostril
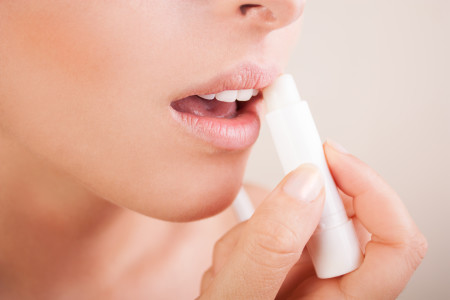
246,7
257,12
270,14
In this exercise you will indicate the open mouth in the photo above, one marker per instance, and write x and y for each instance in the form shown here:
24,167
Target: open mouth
227,104
224,112
228,120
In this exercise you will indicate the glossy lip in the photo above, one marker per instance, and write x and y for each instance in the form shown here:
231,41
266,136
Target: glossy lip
236,133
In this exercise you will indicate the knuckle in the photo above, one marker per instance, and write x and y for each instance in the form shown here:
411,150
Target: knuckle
416,249
420,244
206,279
219,251
274,237
207,274
218,246
229,239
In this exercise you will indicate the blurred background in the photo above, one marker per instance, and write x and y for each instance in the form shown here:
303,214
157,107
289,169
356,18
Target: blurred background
377,77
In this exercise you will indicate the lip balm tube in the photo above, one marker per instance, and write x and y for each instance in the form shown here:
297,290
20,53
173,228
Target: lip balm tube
334,247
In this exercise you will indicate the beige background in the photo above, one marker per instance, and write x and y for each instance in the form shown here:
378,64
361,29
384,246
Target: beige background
376,74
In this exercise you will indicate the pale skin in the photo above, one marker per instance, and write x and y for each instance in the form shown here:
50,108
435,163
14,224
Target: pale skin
93,167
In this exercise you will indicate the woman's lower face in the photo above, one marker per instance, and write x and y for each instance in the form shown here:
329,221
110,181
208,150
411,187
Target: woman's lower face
89,88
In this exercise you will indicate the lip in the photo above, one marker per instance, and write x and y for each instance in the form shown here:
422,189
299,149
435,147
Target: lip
236,133
246,76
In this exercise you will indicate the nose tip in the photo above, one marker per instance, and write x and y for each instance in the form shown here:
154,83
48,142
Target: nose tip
273,14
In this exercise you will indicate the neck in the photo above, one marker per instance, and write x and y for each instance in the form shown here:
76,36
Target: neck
53,228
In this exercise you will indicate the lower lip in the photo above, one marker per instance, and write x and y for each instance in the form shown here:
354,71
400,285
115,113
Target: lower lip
237,133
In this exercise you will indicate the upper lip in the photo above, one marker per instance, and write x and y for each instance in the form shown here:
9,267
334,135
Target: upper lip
245,76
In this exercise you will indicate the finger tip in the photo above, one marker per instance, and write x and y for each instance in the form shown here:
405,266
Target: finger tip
335,146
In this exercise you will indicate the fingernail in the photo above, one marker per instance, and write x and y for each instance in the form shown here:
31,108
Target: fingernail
305,183
336,146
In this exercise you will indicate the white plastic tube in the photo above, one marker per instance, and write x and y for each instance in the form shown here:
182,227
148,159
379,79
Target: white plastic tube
334,247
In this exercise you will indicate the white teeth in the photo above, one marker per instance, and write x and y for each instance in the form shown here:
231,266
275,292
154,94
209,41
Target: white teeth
208,97
244,95
227,96
232,95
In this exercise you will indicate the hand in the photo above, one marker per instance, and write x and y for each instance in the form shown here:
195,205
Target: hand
262,258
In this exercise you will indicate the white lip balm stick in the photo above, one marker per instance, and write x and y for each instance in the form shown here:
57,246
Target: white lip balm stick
334,247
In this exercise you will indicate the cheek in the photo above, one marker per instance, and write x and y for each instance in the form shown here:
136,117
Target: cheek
71,72
88,88
55,45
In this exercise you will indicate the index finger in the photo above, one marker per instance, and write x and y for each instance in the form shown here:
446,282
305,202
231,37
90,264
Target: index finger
375,203
397,247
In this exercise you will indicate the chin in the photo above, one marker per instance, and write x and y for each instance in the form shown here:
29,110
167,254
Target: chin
183,192
212,185
210,206
203,202
186,207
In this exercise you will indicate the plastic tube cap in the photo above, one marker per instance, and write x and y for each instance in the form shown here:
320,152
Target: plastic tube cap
335,251
282,92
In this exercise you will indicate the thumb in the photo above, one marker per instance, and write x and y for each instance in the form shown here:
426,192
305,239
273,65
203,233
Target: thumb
273,239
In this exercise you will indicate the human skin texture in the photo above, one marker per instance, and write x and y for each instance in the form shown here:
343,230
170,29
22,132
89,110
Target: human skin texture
92,162
85,90
267,250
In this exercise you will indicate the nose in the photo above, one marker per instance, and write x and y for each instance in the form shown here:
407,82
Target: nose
264,14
